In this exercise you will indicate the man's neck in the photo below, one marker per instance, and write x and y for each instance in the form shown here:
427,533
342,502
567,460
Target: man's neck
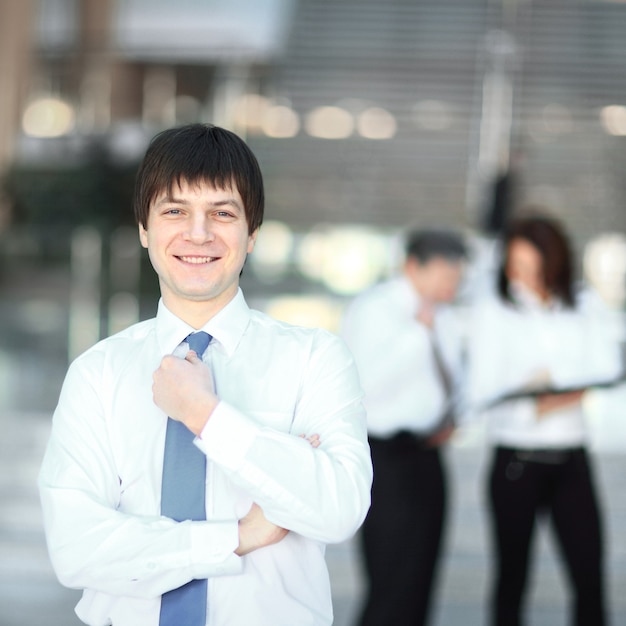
196,314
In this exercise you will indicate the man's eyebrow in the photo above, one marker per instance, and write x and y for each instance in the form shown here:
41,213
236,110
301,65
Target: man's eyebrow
227,202
170,199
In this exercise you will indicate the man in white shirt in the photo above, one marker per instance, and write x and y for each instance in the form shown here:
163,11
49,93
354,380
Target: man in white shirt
408,352
273,499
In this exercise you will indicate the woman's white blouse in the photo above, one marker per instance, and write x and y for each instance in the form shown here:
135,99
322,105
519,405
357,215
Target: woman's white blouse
526,345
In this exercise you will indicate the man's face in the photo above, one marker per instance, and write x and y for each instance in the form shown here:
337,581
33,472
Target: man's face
437,280
197,240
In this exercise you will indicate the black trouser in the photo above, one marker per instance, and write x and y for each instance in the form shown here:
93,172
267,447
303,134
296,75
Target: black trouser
524,484
401,536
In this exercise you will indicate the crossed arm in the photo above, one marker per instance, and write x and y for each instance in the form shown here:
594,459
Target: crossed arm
183,388
102,537
255,531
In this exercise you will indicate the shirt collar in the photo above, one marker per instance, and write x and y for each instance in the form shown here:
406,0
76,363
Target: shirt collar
227,327
527,299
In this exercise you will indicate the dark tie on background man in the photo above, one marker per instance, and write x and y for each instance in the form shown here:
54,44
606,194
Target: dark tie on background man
448,417
183,498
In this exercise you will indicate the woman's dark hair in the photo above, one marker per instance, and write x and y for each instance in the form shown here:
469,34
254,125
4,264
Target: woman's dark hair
550,240
198,153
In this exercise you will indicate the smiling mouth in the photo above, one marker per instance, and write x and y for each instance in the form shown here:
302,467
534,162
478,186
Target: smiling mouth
198,260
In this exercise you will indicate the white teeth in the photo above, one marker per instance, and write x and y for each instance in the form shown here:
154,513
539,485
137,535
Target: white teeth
196,260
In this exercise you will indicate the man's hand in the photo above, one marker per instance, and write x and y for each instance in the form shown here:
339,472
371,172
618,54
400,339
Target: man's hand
183,388
554,401
314,440
442,436
256,532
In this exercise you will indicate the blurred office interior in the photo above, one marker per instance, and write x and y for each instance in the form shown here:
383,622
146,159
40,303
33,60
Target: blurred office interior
367,118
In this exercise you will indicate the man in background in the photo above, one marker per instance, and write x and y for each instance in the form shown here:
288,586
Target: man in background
408,352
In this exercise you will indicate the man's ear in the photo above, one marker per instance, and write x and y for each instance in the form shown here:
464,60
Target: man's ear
252,240
143,236
413,270
411,265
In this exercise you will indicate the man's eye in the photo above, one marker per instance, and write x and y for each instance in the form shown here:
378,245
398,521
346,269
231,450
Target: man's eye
224,214
172,212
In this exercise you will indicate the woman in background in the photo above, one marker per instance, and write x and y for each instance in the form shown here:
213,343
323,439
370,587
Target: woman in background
537,333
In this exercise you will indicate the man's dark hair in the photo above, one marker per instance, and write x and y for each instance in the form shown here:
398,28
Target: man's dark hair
425,245
199,153
550,240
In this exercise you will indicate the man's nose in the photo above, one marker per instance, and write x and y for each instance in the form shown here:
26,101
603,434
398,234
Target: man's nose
199,229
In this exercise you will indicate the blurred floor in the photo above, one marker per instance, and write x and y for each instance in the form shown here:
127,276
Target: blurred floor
30,595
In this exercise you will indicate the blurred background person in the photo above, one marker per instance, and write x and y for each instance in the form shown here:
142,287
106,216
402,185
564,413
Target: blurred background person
407,351
533,350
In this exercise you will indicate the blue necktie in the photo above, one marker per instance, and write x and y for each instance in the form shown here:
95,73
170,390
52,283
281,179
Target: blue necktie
183,498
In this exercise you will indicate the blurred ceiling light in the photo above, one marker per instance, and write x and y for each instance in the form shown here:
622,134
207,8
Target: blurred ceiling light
346,259
272,251
310,254
329,122
605,267
376,123
48,117
557,119
613,119
281,122
308,311
250,112
432,115
355,259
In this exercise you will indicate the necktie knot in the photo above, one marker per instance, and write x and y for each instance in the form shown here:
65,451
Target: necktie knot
198,342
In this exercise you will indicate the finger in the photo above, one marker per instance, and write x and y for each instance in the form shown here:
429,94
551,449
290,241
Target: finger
314,440
192,357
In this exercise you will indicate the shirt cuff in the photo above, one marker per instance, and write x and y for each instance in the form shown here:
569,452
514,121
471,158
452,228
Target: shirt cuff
227,436
213,546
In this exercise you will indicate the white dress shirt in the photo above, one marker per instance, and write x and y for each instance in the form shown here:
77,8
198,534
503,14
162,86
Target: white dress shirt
532,345
100,481
395,358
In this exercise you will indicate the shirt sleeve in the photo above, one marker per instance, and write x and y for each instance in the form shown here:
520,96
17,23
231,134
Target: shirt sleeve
383,347
92,544
393,353
321,493
586,349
